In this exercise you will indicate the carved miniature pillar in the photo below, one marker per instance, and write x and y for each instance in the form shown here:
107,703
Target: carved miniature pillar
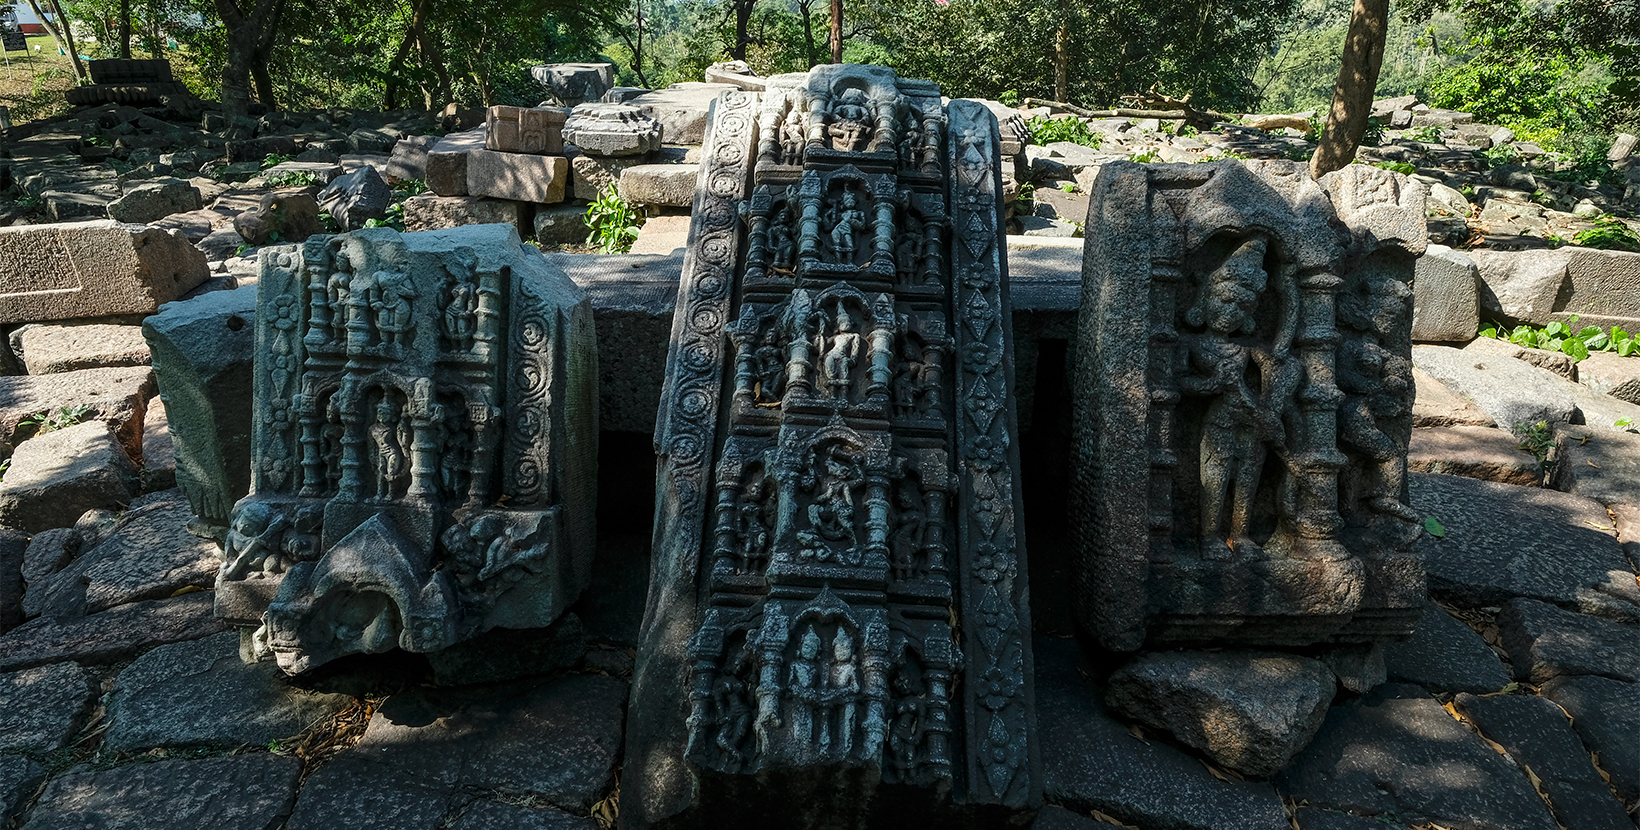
938,674
768,136
810,195
1164,401
484,440
882,348
874,687
423,460
1319,522
933,250
352,442
757,221
877,519
799,362
728,497
883,139
934,531
885,196
313,462
358,316
771,641
705,648
488,330
819,119
743,332
933,129
318,332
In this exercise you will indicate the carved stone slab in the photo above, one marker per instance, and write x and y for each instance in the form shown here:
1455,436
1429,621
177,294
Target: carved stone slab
536,130
1244,394
838,597
425,446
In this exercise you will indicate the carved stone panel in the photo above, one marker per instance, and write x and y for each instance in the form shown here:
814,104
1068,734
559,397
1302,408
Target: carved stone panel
424,446
1244,406
838,592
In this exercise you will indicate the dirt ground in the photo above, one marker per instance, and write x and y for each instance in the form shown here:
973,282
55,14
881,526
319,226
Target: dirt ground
32,82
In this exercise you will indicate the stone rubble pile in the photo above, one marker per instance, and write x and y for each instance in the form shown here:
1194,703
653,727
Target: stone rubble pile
1416,603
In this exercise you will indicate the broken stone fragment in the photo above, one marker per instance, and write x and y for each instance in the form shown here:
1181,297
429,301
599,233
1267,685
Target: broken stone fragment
612,130
55,477
92,269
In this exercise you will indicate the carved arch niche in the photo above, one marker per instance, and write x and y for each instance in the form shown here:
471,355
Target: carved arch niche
842,351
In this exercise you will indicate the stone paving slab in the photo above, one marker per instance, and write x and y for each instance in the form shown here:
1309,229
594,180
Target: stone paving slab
1090,761
1397,753
19,778
491,815
13,553
1598,464
50,350
1606,715
201,693
1538,736
55,477
111,636
1513,392
41,708
118,396
235,792
1485,453
425,751
1544,642
1444,655
149,555
1504,541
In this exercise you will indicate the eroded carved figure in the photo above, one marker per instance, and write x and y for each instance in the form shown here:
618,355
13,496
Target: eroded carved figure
1263,407
838,533
388,509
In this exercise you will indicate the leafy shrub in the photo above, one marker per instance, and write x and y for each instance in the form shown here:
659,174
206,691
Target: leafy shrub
1428,135
1075,130
1609,234
613,222
274,159
1567,338
1397,167
292,178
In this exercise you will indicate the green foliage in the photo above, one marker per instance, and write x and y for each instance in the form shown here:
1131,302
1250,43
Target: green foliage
1144,157
274,160
394,220
1500,155
1537,439
1397,167
63,418
1067,187
1428,135
613,222
1203,49
1568,338
1375,133
1434,527
1300,69
291,178
1610,234
1075,130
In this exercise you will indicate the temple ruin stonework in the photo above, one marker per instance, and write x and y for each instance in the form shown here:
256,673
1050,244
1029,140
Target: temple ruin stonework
425,446
838,595
1243,393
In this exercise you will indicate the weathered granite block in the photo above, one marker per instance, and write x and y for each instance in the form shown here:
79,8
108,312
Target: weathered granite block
612,130
203,352
1243,407
55,477
575,83
52,349
1445,304
424,446
681,109
535,130
92,269
431,213
447,161
517,176
663,185
838,593
1602,287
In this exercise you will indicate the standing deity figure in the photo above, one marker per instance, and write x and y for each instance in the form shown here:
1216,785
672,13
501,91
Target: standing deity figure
336,289
391,465
460,316
792,139
846,221
1240,421
850,121
392,306
903,733
910,144
843,687
908,253
753,518
833,478
782,239
733,709
840,355
1374,382
908,382
803,685
906,542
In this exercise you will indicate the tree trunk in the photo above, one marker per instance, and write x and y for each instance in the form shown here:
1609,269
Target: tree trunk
412,35
809,49
743,21
263,82
67,40
1062,57
56,35
836,31
1357,79
125,29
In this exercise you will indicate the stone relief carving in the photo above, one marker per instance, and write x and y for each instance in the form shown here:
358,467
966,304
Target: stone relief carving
842,539
1262,400
390,509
